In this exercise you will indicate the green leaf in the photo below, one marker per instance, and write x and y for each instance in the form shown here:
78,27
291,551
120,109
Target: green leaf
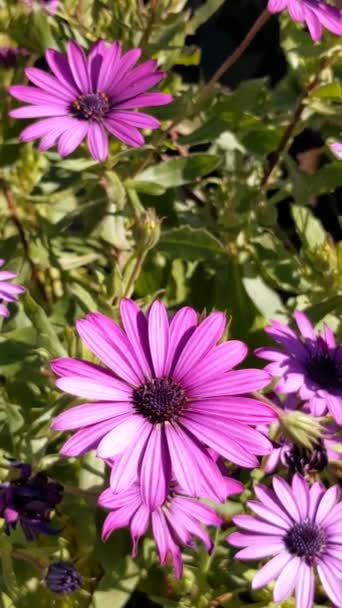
116,587
332,90
203,13
180,171
309,229
190,243
46,335
7,570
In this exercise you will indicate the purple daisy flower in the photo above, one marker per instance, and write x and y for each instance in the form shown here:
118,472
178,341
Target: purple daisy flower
173,523
316,14
8,291
301,528
86,98
49,7
337,149
298,459
10,56
312,365
170,391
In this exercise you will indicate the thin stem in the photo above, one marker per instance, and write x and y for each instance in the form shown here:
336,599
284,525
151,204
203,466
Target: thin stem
291,127
79,491
17,554
229,62
261,397
135,272
13,212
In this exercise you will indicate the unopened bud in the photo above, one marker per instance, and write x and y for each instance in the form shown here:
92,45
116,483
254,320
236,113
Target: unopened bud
147,229
303,429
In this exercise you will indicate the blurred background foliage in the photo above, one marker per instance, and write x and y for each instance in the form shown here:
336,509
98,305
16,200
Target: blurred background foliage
235,204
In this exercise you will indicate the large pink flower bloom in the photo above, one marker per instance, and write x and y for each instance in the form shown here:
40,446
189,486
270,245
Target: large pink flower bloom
89,97
316,14
311,365
173,523
169,394
300,528
9,292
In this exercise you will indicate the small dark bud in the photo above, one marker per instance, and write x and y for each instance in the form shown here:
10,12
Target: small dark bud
63,578
306,462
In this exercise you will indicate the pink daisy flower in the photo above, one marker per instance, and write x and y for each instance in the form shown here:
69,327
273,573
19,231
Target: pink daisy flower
170,393
89,97
175,522
301,529
9,292
311,365
316,14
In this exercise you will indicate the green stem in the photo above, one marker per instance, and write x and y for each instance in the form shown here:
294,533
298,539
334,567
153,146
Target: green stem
135,272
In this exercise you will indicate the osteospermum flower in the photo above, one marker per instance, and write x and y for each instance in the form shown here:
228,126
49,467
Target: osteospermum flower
49,7
311,365
169,391
10,56
301,529
175,522
316,14
9,292
337,149
299,459
89,97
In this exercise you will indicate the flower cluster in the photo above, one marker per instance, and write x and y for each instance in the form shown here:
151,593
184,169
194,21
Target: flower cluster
167,394
316,14
29,500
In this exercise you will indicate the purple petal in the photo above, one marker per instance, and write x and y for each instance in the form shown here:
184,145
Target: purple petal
301,495
110,344
286,498
275,6
331,585
117,440
259,550
304,325
242,409
205,336
59,65
97,141
239,381
42,127
49,83
135,119
219,360
136,328
181,328
139,526
87,414
287,580
3,311
145,100
95,59
158,336
305,586
137,87
72,138
86,439
38,97
78,66
155,470
102,389
328,501
109,67
125,469
119,518
252,524
127,134
37,111
271,570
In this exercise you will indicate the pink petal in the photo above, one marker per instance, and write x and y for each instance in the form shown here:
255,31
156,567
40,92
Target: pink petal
78,66
286,497
331,585
287,580
155,470
242,409
220,359
97,141
72,138
158,336
239,381
125,468
304,325
305,586
88,413
118,440
126,133
49,83
135,325
86,439
181,328
271,570
102,389
59,65
260,550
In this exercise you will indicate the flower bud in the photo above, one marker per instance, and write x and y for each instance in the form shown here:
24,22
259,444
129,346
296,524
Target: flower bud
301,428
147,229
62,578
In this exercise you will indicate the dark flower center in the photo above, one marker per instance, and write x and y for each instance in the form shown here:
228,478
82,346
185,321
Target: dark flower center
94,106
159,400
305,539
324,370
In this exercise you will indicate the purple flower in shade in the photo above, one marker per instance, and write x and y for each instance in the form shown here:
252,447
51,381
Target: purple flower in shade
10,56
174,522
311,365
63,578
316,14
337,149
49,7
86,98
301,528
9,292
29,501
298,459
169,391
